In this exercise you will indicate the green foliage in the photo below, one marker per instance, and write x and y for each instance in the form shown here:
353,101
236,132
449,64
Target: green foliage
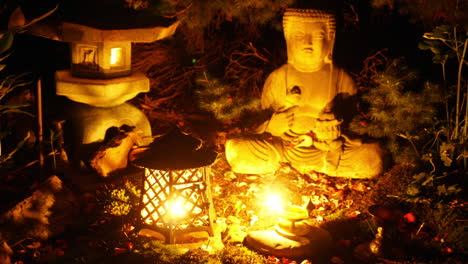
220,100
12,82
440,42
165,254
240,255
429,189
200,19
170,254
197,256
397,114
8,85
447,221
445,42
120,201
199,14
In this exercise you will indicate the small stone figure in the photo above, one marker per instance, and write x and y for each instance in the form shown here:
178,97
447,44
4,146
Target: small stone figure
310,97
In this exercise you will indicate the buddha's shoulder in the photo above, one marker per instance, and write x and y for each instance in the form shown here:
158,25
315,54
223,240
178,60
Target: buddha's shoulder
281,70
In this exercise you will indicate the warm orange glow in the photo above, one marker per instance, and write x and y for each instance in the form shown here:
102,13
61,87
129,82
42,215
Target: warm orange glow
161,204
176,208
274,202
115,56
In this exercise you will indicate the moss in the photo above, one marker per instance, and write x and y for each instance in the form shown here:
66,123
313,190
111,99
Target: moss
232,254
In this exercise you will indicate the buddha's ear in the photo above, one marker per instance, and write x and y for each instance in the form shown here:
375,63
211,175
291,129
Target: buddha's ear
329,57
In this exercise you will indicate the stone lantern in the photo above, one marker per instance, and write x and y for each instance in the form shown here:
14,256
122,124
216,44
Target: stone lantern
100,80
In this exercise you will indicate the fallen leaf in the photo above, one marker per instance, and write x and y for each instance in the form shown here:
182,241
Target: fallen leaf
360,187
34,245
339,193
118,251
273,260
59,252
344,242
409,218
447,250
130,245
287,261
353,214
336,260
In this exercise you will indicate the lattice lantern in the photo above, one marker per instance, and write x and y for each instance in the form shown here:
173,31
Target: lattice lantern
176,195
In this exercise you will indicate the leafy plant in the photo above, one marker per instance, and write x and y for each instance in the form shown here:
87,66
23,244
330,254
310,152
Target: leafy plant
428,188
446,42
13,82
396,113
218,99
240,255
8,85
201,17
119,201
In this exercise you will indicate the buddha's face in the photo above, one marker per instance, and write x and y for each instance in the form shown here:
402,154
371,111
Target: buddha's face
308,45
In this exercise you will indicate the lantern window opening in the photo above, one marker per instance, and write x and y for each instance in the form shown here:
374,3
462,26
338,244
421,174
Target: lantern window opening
116,59
88,56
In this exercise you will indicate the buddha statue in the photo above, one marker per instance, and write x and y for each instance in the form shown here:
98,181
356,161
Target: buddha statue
309,98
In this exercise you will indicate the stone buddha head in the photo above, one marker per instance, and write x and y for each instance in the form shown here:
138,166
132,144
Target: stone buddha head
310,36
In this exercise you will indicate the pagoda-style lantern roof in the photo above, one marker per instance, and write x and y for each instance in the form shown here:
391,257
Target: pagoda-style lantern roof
100,21
175,151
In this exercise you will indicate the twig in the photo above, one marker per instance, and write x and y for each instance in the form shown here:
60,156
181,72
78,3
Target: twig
370,227
180,12
39,121
30,164
21,241
419,229
460,66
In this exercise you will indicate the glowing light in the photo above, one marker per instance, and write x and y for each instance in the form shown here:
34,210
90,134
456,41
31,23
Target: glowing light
115,56
176,207
274,202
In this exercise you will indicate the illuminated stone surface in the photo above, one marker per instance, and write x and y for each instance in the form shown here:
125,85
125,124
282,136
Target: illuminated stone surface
309,97
91,123
113,154
100,92
316,244
72,32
